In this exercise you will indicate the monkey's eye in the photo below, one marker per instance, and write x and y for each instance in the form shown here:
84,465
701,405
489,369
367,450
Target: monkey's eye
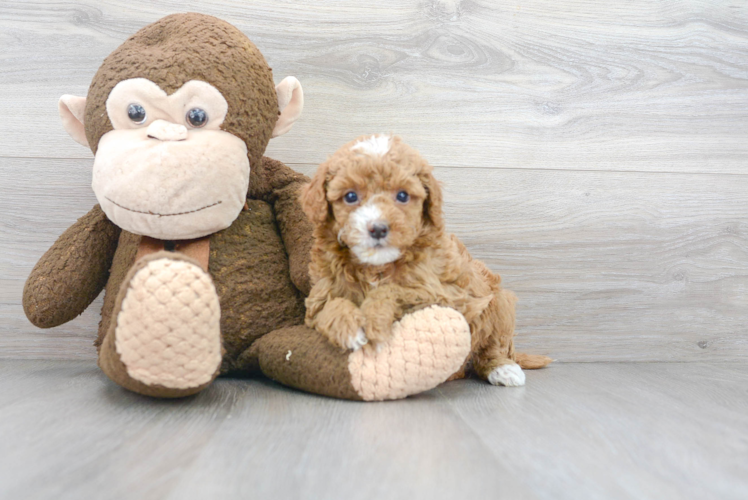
197,117
402,197
350,197
136,113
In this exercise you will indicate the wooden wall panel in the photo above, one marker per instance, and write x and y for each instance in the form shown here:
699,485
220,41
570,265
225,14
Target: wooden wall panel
578,84
592,153
607,265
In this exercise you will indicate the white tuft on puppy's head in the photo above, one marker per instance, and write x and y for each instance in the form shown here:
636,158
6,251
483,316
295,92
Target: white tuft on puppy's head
376,145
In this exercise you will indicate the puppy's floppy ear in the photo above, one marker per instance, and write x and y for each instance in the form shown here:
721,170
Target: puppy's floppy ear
314,197
432,205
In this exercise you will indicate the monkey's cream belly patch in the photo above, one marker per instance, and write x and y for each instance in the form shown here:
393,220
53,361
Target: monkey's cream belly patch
168,328
426,348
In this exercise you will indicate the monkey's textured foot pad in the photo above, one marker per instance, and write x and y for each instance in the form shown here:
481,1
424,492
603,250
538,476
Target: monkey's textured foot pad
426,348
167,329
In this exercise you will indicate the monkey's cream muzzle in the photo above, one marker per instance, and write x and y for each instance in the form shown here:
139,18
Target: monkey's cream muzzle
171,190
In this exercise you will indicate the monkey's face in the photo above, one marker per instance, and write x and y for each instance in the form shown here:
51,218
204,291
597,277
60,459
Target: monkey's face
174,117
167,170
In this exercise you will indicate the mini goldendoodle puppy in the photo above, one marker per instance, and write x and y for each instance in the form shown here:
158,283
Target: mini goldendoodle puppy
381,251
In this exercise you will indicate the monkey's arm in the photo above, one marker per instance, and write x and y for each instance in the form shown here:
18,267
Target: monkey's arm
72,272
280,186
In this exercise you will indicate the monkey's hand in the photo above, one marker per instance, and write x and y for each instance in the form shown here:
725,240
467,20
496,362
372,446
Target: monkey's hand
341,322
72,272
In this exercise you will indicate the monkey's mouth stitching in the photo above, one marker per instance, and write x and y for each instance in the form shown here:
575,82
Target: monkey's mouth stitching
164,215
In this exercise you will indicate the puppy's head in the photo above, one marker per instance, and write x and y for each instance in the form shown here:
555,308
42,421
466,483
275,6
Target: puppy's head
376,196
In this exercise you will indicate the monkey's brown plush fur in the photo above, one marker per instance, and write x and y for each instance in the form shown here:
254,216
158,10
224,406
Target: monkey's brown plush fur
431,267
259,264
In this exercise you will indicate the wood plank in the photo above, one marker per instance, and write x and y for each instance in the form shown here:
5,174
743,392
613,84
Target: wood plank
39,200
644,431
613,266
106,438
608,266
578,84
331,449
281,443
576,431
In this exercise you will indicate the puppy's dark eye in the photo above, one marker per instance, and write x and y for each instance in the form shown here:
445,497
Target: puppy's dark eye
402,197
197,117
350,197
136,113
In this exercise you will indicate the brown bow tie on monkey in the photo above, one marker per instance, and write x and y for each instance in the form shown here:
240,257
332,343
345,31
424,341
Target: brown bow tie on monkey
199,240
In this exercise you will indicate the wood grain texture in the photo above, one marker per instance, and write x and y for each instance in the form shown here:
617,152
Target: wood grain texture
576,431
578,84
608,266
593,153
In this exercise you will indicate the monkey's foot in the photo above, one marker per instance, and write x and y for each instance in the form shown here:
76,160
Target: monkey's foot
165,338
426,348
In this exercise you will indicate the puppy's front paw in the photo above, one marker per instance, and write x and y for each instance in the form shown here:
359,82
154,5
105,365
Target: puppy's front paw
378,319
342,323
357,340
507,375
379,328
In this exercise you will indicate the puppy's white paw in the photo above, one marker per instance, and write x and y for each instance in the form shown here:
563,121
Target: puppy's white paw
508,375
357,341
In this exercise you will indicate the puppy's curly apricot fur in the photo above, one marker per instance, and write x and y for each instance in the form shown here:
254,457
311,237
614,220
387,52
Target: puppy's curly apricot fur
381,251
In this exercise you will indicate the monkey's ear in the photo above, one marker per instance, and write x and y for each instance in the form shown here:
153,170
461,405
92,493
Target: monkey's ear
72,109
290,104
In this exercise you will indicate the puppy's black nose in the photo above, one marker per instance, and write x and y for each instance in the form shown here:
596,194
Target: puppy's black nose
378,231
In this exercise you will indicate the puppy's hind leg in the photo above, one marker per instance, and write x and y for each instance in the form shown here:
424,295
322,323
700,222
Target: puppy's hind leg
493,341
494,364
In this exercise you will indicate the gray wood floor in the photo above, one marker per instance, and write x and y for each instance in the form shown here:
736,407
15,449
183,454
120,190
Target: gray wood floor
576,431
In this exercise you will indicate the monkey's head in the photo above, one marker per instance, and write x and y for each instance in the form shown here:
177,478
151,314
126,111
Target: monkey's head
176,117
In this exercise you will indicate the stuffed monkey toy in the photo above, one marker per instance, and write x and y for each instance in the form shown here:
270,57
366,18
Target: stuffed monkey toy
200,241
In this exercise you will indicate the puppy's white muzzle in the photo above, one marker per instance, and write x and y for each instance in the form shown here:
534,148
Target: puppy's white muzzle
367,231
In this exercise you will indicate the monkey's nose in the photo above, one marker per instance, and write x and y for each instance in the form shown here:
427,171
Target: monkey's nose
379,230
166,131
